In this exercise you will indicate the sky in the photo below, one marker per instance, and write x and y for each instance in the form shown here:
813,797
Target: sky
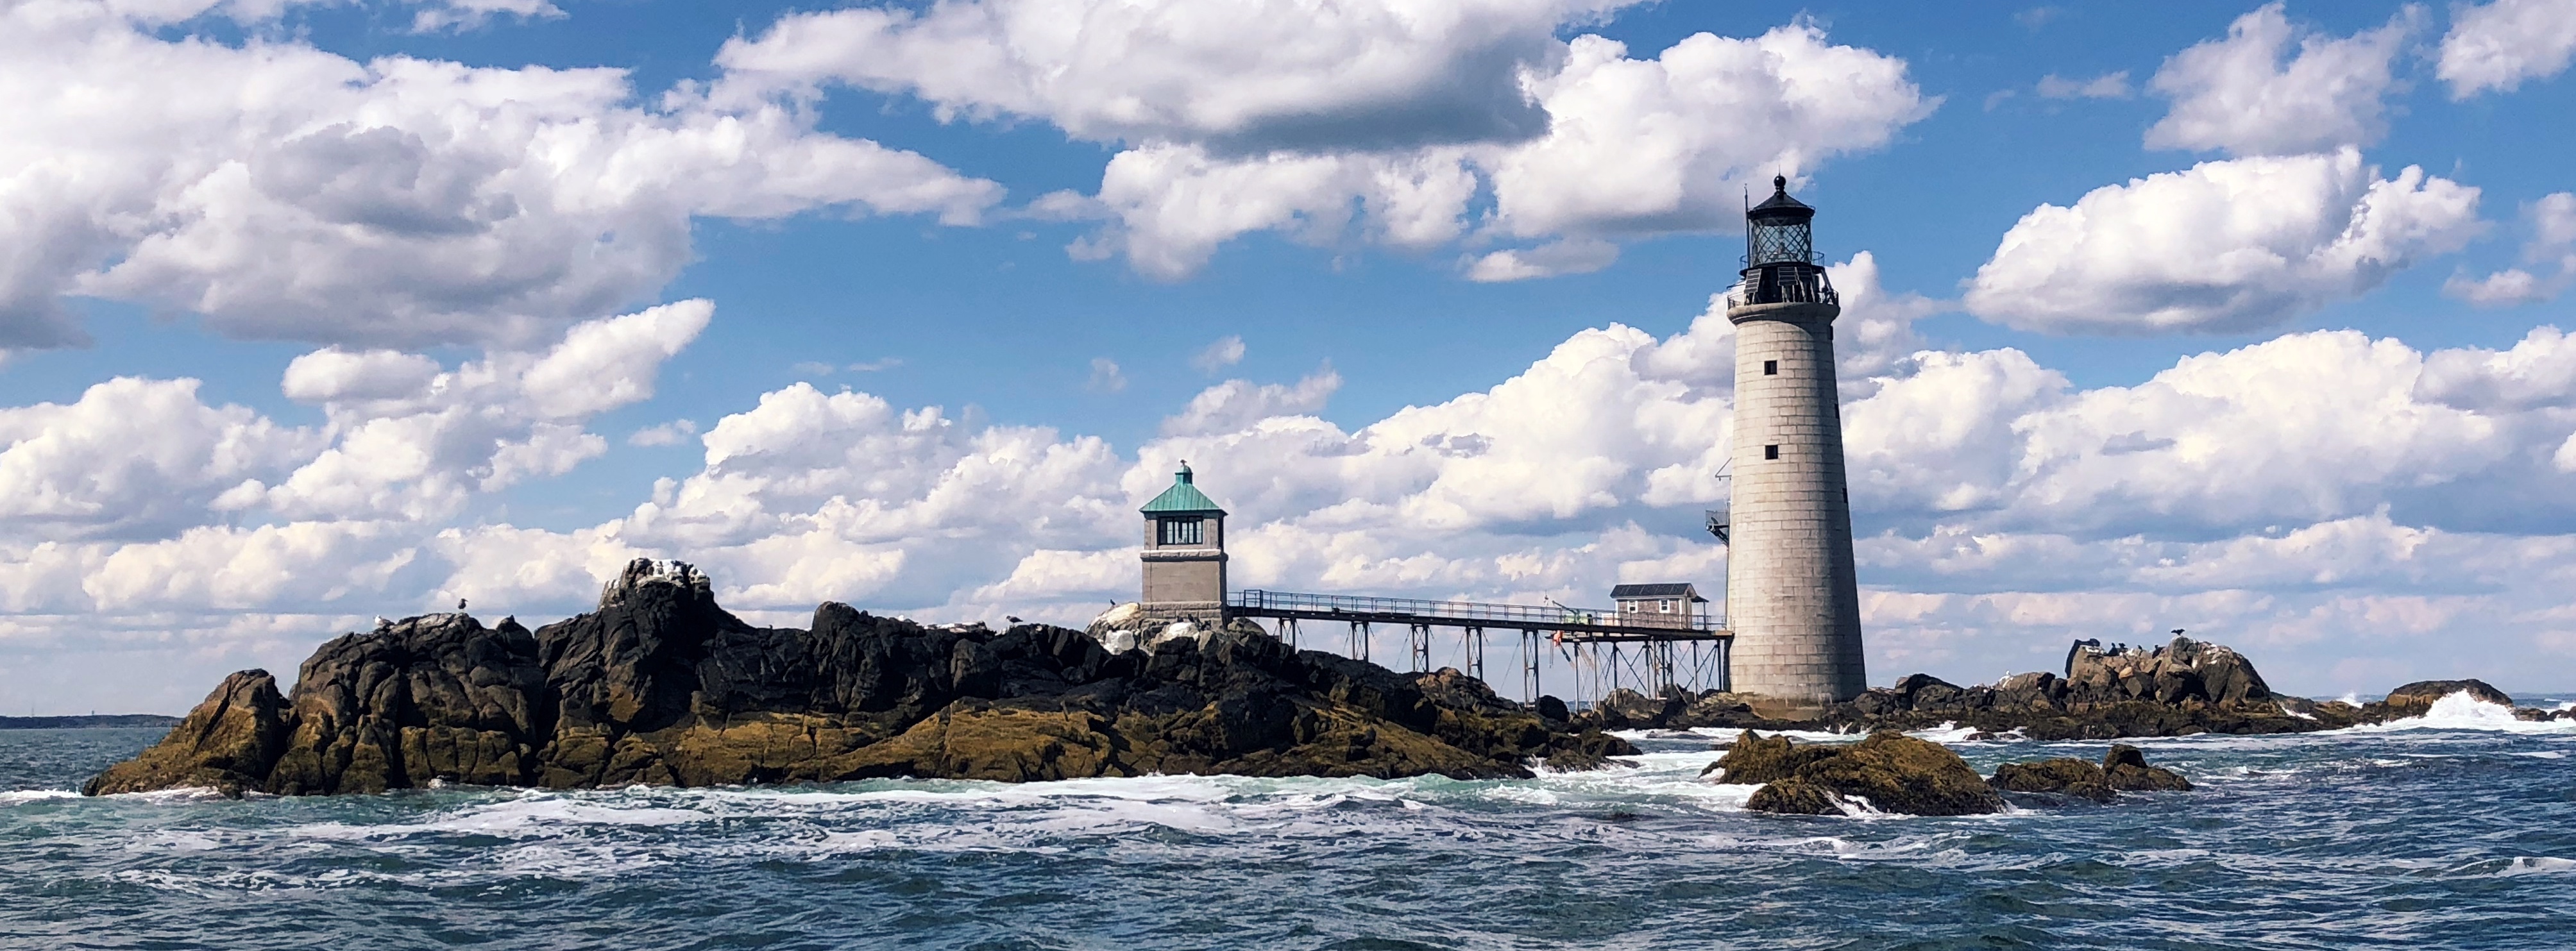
2242,319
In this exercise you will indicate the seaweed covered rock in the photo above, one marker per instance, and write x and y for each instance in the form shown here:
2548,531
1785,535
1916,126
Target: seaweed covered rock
1888,771
2123,769
1754,759
660,685
2064,775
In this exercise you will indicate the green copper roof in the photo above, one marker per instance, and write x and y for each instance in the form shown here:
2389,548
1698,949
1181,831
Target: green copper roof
1182,497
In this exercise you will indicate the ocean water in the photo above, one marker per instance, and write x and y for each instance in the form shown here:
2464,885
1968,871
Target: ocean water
2454,831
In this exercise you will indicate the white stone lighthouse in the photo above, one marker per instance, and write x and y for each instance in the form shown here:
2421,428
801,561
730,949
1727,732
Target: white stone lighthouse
1791,597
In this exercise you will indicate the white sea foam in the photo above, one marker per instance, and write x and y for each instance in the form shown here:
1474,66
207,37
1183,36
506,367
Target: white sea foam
2460,711
533,816
180,794
2537,865
16,796
1948,732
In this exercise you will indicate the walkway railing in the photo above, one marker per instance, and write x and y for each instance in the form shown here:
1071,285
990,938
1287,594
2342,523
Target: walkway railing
1454,613
1781,286
1605,649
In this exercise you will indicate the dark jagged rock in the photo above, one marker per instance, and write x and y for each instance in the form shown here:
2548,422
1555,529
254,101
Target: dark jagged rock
2123,769
1892,772
1626,709
226,744
662,686
2127,769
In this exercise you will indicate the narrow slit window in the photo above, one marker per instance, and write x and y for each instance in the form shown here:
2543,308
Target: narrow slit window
1770,368
1770,452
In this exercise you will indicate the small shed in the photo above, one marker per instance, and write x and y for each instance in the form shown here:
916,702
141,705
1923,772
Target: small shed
1663,604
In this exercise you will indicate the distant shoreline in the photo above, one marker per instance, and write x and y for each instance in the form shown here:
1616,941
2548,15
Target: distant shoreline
91,720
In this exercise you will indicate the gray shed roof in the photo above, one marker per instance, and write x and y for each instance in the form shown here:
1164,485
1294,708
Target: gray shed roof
1668,589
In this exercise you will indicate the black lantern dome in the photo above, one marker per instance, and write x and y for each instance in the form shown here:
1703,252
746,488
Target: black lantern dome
1779,229
1780,252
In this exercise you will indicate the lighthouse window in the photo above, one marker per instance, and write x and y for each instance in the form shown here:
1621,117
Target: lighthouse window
1770,368
1181,531
1770,452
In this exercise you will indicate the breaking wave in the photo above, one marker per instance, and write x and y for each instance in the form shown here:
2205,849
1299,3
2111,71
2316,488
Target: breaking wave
2460,711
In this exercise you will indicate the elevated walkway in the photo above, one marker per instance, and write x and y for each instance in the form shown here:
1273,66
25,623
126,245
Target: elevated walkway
1599,643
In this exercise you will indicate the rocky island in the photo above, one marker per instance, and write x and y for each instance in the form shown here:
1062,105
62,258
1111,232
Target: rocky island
660,685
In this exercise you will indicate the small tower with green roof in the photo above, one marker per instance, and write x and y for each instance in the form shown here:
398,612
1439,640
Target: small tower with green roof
1184,553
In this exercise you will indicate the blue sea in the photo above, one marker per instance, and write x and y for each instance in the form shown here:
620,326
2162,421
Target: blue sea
2454,831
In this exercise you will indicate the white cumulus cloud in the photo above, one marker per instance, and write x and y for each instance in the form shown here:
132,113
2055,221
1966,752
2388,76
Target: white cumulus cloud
1381,121
2497,46
284,192
2230,245
2247,95
133,457
413,440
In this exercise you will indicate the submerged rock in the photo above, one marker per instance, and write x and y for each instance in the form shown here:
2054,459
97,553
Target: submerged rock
1890,771
662,686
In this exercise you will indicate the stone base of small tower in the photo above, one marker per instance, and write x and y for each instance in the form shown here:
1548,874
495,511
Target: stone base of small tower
1205,612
